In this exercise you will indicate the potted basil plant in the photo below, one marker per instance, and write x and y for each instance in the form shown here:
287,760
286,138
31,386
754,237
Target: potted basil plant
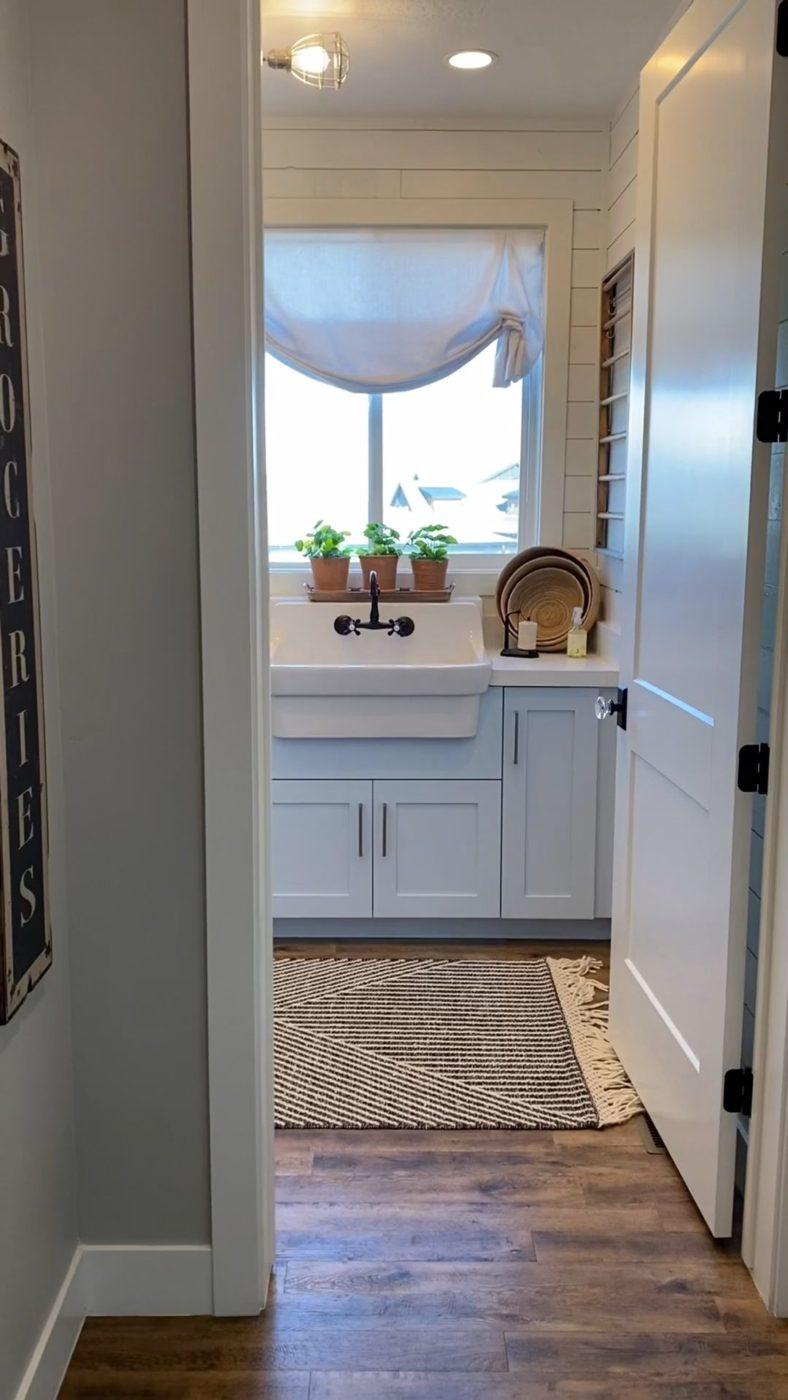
327,553
381,553
428,548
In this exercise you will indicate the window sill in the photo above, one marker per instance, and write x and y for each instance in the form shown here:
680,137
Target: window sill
287,579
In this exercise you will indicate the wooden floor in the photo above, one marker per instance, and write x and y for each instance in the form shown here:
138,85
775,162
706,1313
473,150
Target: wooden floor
467,1266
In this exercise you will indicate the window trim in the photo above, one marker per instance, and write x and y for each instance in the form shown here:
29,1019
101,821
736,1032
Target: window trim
542,500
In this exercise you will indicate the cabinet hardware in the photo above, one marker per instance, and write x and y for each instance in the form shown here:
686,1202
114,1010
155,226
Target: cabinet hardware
385,827
516,752
361,830
604,708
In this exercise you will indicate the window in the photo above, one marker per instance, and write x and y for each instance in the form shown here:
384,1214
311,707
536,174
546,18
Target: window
447,453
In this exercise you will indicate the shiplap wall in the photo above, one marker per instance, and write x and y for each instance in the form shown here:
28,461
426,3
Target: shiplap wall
545,160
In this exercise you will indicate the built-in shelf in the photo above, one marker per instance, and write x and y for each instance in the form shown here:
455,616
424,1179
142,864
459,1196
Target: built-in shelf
616,323
614,320
613,359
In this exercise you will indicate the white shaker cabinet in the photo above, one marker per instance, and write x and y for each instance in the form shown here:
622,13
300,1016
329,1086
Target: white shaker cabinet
437,849
550,762
321,848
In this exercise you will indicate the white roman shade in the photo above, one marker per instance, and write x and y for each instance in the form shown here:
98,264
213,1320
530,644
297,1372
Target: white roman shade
377,310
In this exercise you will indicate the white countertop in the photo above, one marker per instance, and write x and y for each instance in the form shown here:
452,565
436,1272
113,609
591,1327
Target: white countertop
552,668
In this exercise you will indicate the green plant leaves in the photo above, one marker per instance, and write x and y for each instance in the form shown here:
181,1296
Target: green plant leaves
324,543
430,542
382,540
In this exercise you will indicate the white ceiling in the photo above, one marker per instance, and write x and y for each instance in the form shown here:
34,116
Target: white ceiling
557,58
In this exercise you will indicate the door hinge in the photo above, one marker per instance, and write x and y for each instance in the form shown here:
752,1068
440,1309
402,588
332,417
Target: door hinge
771,420
619,707
753,774
782,29
737,1091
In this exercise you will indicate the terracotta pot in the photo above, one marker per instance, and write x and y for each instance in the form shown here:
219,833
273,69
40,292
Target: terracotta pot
385,566
429,574
330,574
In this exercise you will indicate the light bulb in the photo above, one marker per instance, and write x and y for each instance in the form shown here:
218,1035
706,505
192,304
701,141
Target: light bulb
471,58
319,60
313,60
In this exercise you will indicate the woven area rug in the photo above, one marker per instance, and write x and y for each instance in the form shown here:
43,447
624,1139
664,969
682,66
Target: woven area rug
417,1043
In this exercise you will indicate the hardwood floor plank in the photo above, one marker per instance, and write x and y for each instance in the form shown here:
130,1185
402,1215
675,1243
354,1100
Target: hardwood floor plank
562,1298
328,1231
184,1385
295,1340
537,1185
521,1295
388,1386
650,1358
602,1241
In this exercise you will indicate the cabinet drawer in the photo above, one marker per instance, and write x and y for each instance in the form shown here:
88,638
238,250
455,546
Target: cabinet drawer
321,849
437,849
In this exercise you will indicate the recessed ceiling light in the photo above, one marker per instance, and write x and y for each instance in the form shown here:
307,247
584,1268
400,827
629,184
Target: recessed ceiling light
471,58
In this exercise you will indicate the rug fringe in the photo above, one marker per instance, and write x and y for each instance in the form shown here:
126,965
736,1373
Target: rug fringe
587,1016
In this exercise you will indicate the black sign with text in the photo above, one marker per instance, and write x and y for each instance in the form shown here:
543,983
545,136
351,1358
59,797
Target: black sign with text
26,941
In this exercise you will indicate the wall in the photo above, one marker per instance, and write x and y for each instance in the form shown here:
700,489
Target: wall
622,179
560,160
38,1227
110,95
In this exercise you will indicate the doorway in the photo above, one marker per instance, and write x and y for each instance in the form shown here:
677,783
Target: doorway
221,1031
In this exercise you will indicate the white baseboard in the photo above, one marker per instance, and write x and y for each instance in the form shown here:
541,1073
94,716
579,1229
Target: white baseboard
59,1336
147,1280
116,1281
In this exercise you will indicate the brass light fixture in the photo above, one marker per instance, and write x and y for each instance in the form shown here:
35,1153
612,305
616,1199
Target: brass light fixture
319,60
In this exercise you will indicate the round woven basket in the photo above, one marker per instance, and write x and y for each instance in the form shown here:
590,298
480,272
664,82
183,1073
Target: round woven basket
548,597
512,590
545,585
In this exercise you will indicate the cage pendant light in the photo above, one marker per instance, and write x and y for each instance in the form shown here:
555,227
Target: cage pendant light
319,60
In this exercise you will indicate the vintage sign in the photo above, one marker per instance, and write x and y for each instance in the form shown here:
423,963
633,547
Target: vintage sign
25,938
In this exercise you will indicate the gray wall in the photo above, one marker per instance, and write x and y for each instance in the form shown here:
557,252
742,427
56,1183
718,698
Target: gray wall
37,1176
111,105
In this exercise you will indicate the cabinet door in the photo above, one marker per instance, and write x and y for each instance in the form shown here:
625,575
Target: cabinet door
321,849
549,804
437,849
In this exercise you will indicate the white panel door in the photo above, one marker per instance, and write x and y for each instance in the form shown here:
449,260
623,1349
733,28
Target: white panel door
693,575
549,804
321,849
437,849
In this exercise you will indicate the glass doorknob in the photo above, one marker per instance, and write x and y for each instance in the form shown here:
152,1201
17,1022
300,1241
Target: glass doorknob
603,708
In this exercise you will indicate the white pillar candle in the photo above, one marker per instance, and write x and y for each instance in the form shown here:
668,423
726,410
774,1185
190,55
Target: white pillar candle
526,636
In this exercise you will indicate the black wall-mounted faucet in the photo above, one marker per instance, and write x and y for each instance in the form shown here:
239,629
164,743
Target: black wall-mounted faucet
396,627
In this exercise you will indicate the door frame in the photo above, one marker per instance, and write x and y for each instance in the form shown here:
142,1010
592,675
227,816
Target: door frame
226,213
227,251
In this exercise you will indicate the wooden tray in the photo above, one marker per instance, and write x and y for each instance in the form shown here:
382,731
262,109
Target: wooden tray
387,595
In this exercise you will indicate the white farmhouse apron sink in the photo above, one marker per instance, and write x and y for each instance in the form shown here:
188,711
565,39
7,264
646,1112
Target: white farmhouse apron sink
376,686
